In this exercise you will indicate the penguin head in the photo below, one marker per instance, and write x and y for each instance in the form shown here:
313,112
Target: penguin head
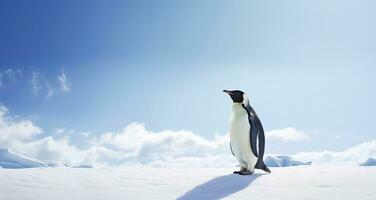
237,96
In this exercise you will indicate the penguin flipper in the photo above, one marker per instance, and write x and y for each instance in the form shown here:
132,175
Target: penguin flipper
253,132
253,136
253,117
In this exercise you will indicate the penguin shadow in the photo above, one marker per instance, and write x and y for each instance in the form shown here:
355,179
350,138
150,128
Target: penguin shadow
219,187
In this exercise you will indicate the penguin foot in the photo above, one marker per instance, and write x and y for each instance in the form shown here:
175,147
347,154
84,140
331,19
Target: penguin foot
242,169
246,173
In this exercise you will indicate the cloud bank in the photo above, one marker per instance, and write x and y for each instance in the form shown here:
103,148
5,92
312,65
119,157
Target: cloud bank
135,145
12,132
287,135
351,156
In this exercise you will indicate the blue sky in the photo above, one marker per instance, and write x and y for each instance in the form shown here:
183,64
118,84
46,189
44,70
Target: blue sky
305,64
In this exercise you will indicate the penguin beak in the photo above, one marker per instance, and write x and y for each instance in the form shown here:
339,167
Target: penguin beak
227,91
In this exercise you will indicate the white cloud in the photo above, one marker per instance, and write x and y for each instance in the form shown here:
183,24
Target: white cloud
351,156
40,86
60,131
139,145
9,76
64,84
50,91
338,136
135,145
85,134
24,137
287,135
13,131
49,148
36,82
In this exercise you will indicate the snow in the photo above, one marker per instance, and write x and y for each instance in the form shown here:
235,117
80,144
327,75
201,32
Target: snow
369,162
282,161
9,159
299,182
55,164
12,160
83,166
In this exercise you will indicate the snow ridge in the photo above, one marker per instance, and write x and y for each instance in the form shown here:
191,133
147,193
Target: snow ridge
9,159
369,162
282,161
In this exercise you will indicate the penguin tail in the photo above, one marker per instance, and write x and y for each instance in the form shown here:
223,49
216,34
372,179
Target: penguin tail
267,169
262,166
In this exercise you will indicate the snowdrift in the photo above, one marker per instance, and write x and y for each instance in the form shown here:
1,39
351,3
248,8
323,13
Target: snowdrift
9,159
282,161
12,160
369,162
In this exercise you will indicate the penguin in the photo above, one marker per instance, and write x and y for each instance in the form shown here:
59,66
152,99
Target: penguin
246,132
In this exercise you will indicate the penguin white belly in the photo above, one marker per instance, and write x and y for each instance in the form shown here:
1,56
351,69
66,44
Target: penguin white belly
240,139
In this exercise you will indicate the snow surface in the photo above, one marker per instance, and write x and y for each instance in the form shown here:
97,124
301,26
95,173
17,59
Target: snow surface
300,182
